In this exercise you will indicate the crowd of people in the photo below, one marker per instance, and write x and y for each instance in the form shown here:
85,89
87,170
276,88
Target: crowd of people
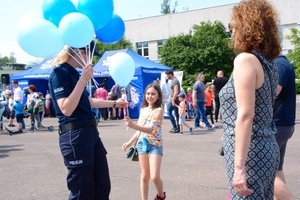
17,104
196,103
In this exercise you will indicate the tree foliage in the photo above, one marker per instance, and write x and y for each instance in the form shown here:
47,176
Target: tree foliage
205,49
4,61
294,56
165,7
122,44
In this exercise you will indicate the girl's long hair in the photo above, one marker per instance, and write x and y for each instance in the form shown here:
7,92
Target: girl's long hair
159,102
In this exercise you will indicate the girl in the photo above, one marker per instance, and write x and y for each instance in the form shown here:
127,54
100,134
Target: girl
182,114
189,104
149,136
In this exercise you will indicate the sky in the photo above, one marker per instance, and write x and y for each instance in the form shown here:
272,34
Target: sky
12,11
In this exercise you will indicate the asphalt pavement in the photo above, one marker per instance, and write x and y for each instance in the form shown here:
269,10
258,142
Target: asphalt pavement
31,167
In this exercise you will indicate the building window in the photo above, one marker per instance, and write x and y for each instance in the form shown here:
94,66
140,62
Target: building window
142,49
160,44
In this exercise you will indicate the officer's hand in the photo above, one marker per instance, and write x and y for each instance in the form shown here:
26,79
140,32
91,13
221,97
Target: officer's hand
121,103
87,73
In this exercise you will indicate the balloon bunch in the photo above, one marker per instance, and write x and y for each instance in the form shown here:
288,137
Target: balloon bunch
64,24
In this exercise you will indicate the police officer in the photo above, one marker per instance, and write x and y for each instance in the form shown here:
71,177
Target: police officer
81,147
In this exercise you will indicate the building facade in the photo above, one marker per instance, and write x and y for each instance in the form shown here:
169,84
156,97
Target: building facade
148,34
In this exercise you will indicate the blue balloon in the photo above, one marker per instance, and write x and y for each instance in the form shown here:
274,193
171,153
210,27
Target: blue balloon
99,11
76,30
113,31
39,38
121,68
55,10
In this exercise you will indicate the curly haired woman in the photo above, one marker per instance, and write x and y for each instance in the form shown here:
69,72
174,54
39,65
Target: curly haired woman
250,148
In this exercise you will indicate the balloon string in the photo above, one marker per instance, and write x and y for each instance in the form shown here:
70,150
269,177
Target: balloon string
125,111
89,60
80,63
80,57
83,66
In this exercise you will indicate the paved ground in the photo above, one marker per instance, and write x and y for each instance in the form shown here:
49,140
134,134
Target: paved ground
31,167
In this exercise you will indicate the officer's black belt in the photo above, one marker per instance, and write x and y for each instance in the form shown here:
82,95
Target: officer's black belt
74,125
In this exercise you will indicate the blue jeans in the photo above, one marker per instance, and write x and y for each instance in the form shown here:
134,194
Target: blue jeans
150,149
200,111
171,116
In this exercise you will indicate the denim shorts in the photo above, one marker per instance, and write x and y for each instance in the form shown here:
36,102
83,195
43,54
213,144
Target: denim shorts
151,149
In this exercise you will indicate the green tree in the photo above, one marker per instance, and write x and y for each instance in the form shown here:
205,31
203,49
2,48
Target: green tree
165,7
294,56
4,61
205,49
122,44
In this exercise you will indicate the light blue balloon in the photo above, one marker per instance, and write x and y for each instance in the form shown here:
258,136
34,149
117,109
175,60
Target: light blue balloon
122,68
55,10
113,31
40,38
76,30
99,11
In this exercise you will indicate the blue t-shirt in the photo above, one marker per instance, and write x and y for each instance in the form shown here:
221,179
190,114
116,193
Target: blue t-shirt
62,81
18,107
285,114
200,91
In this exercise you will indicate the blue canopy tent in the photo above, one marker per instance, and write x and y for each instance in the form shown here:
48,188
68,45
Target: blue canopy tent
146,72
37,75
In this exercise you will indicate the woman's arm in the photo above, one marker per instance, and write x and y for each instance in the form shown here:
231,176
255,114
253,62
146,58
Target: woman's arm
96,103
245,75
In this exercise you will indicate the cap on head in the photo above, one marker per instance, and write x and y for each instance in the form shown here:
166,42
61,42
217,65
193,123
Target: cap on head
91,46
182,95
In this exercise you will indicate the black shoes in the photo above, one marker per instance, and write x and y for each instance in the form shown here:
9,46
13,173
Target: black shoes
174,130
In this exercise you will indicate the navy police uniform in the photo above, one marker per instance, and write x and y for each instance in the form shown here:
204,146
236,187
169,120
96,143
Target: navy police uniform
81,147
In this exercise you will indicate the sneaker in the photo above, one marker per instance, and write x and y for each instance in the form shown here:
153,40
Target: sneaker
160,198
202,124
173,130
214,126
180,133
209,127
191,130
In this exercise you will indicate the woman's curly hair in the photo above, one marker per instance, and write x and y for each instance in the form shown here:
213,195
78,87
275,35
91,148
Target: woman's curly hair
255,24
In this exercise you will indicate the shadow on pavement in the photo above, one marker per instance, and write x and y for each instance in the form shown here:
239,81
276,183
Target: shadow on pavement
5,149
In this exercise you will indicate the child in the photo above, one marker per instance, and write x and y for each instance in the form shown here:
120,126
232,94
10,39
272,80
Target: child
209,103
189,104
41,104
10,103
182,114
149,140
18,108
